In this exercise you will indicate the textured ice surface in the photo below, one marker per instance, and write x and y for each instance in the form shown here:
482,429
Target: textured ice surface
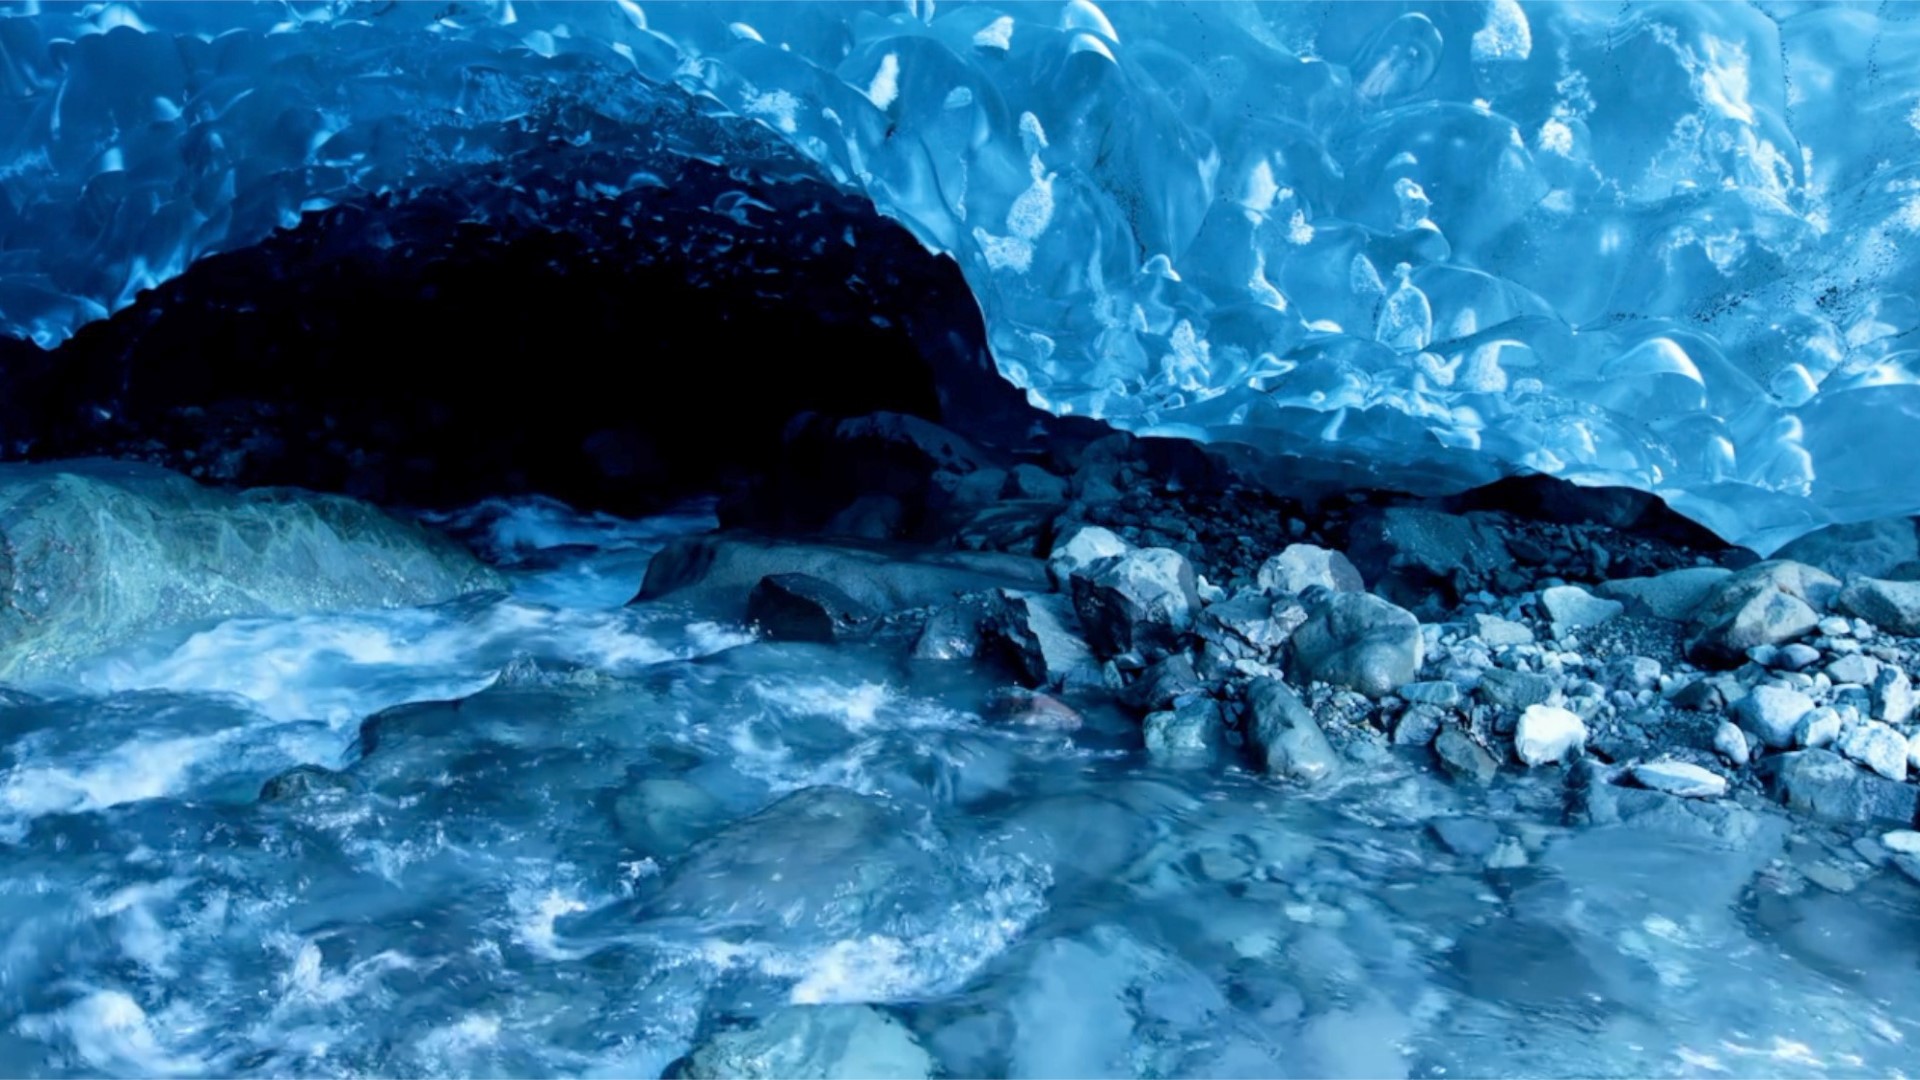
1666,245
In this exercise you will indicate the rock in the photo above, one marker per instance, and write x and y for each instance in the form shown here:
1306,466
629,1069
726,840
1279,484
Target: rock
1514,690
1731,743
826,463
1680,778
1596,800
1038,634
1636,673
1877,746
952,632
1418,726
1796,656
99,553
1440,692
1087,545
1901,841
801,607
665,815
1284,736
1861,549
1769,603
1508,854
1854,668
1825,786
1892,695
1913,751
1548,734
810,1042
308,782
1302,566
1027,481
719,570
1673,596
1413,552
1773,713
1893,606
1189,735
1031,708
1245,626
1463,758
1472,838
1700,695
1142,599
1500,633
870,517
1359,641
1571,607
1162,683
1817,729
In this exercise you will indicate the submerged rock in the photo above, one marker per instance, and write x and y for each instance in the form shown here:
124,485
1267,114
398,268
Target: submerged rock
1826,786
810,1042
1361,642
801,607
665,815
1285,738
308,782
1463,758
99,553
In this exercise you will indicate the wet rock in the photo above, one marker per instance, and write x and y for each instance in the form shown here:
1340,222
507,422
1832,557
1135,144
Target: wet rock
1086,545
1246,626
1038,634
1731,743
1861,549
810,1042
1500,633
1440,692
1673,596
1140,600
1302,566
952,632
1031,708
1418,726
1472,838
719,571
801,607
1769,603
98,553
665,815
1571,607
1190,735
1027,481
1892,695
1773,713
1893,606
1284,736
1876,746
1596,800
1548,734
308,782
1463,758
1514,690
1162,683
1680,778
1825,786
1359,641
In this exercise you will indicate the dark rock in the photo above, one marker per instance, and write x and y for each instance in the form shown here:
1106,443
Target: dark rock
1893,606
1825,786
1162,684
1410,553
1034,482
1769,603
1472,838
870,517
1514,690
1285,738
801,607
1463,758
1418,725
719,570
1440,692
308,782
1039,635
1140,600
952,632
1358,641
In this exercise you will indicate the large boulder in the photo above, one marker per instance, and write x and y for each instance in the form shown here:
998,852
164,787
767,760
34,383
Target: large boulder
1412,553
801,607
95,554
1142,599
1893,606
1769,603
719,571
1359,641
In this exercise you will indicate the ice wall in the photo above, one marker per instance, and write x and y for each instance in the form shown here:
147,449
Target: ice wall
1671,246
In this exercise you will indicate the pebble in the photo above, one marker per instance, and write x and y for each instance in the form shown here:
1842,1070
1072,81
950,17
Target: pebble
1547,734
1680,778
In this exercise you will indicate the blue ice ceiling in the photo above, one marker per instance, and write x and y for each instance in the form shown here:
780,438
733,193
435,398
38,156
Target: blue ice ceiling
1671,246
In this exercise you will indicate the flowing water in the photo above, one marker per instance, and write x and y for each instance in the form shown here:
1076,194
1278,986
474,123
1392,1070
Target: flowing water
566,836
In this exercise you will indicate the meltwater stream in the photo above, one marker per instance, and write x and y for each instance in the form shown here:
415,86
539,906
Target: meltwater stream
565,836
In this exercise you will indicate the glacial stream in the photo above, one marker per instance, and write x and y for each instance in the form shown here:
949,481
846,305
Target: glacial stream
563,836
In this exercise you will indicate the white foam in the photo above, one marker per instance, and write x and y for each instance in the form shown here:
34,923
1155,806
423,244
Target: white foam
111,1032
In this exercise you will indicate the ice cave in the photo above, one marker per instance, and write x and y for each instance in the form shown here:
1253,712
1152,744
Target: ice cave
942,539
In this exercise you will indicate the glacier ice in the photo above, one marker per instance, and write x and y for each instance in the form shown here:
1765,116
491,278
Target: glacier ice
1672,246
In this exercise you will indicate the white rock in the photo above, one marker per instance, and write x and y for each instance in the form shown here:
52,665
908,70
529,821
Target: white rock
1904,841
1773,712
1680,778
1574,608
1877,746
1302,566
1817,729
1498,632
1087,544
1547,734
1731,742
